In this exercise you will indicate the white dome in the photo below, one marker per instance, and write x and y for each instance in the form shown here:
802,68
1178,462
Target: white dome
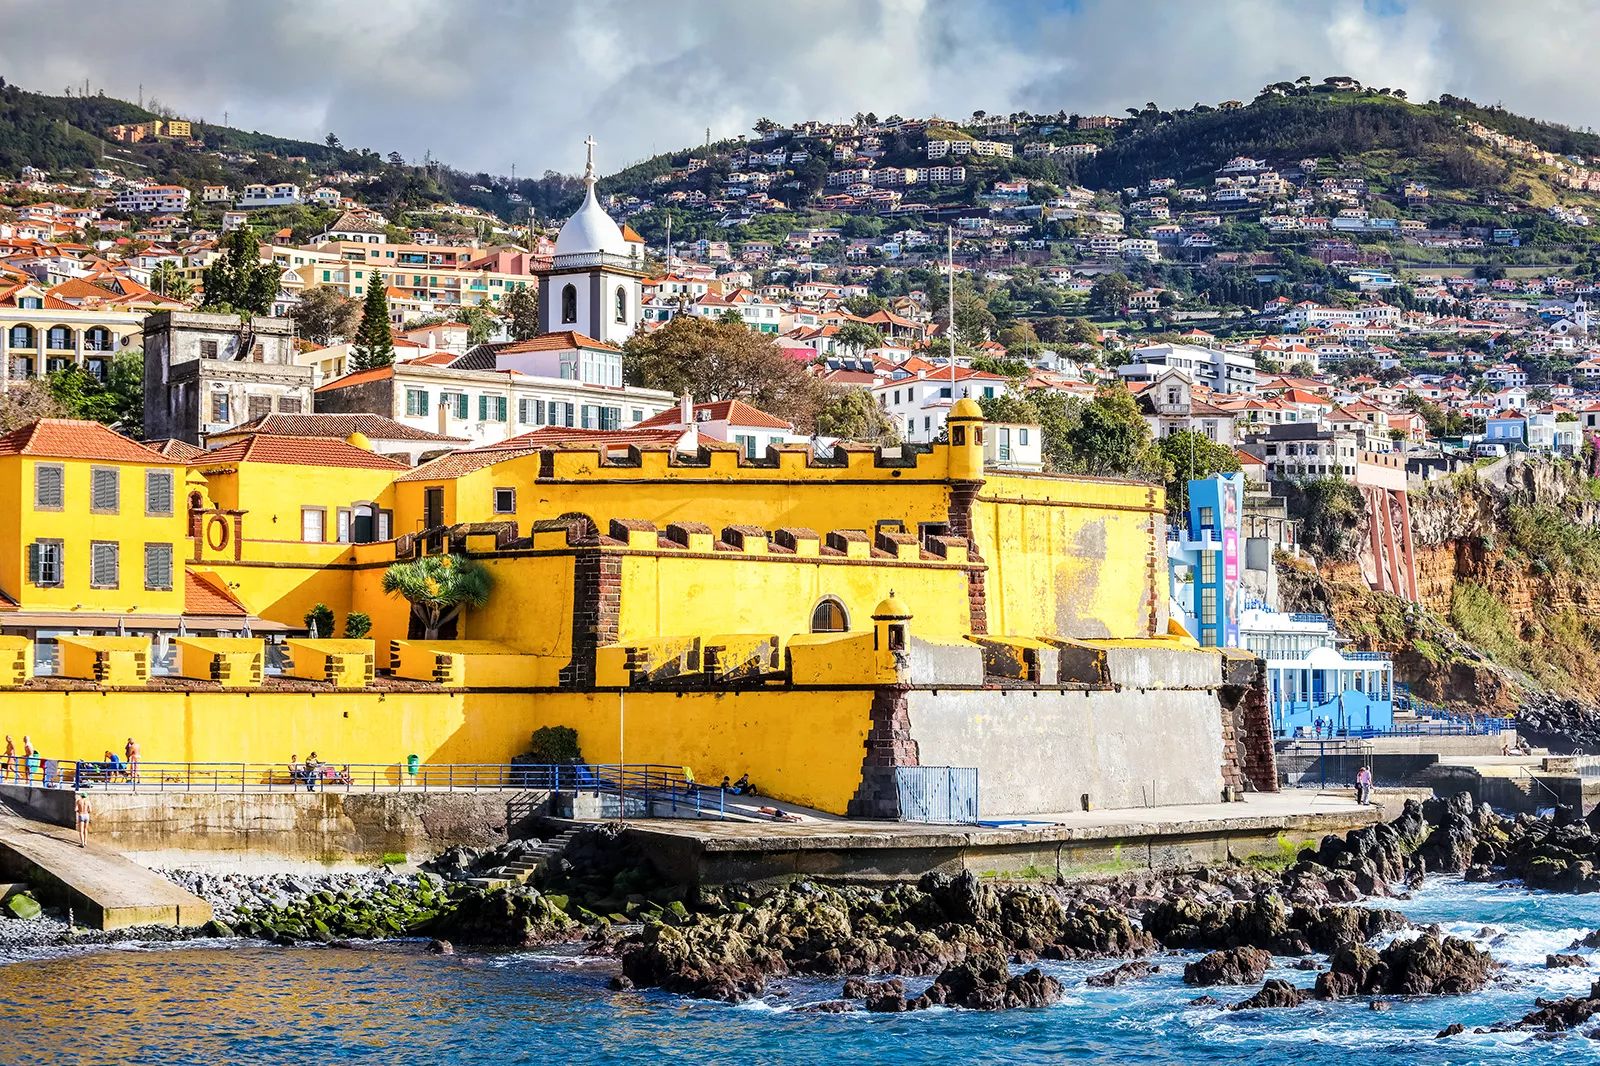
591,230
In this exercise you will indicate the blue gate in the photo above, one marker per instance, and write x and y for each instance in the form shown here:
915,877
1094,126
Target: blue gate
937,793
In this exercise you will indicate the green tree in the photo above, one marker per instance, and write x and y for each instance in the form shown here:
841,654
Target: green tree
717,360
857,337
239,281
852,414
374,343
1301,369
324,315
167,280
1112,438
863,305
1192,456
479,321
1540,394
520,308
357,624
438,587
117,400
1110,293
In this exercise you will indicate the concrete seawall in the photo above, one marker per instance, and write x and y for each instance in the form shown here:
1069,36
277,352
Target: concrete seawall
287,829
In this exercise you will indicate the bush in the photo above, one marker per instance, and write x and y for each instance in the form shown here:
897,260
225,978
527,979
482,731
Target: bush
357,624
554,745
321,618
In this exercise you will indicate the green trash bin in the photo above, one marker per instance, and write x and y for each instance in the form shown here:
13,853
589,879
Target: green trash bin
412,762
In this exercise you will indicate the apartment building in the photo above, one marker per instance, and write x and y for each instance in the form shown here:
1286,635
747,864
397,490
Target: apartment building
153,199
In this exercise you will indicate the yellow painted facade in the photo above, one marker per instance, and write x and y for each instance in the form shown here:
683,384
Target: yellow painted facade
66,522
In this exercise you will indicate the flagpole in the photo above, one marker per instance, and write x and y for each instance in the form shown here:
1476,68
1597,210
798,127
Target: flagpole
950,237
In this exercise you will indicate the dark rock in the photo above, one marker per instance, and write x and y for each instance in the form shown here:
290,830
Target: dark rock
1275,993
620,983
1205,1001
1120,975
983,982
1453,1029
441,947
1380,1005
1424,966
1234,966
1562,962
829,1006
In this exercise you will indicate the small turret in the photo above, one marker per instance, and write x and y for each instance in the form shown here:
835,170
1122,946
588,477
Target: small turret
891,636
966,440
359,439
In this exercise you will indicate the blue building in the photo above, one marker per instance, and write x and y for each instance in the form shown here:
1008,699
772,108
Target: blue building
1310,681
1204,556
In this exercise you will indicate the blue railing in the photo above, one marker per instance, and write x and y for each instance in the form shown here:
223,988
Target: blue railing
1301,616
940,794
1365,656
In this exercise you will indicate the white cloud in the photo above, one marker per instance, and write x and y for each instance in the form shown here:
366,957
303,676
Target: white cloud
485,83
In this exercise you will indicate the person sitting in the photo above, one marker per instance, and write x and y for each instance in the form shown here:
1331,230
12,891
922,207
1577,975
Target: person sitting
743,787
726,786
295,771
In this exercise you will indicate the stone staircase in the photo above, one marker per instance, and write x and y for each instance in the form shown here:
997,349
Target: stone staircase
530,862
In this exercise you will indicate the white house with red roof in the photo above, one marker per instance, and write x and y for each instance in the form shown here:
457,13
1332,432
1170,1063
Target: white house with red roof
730,421
918,395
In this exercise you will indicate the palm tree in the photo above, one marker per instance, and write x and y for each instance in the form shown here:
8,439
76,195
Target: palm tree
437,587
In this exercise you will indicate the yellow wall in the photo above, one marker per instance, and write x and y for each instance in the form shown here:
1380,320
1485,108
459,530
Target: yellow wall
670,594
273,494
76,526
821,498
1072,556
800,747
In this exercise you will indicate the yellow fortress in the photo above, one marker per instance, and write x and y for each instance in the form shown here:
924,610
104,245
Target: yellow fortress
818,622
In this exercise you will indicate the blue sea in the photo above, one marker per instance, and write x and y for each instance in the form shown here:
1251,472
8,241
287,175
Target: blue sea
240,1003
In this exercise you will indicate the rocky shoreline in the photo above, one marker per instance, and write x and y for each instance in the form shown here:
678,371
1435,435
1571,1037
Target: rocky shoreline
976,940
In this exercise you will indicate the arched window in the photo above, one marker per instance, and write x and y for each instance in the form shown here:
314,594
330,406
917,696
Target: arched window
21,337
829,617
569,303
97,339
622,304
59,338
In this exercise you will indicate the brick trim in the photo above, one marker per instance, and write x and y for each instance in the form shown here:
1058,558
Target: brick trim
596,609
1248,758
888,745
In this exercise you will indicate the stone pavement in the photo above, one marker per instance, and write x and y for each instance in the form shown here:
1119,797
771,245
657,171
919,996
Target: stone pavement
104,890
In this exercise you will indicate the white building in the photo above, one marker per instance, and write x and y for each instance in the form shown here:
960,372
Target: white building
153,199
1217,370
594,283
280,195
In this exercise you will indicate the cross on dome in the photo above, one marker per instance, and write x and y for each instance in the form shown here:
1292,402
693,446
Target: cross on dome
588,167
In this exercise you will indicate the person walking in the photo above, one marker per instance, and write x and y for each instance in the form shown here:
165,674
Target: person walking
81,809
27,758
132,753
8,764
1364,786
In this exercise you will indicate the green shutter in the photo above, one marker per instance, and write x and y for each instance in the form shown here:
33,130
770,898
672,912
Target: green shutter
33,564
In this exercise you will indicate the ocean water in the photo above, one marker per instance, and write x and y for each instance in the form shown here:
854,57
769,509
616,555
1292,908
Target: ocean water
240,1003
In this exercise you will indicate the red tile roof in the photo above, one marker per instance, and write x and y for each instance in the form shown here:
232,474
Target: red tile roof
296,451
205,594
66,438
736,412
556,435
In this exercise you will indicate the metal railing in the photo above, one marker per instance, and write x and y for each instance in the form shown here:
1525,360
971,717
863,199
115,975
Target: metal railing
643,779
947,794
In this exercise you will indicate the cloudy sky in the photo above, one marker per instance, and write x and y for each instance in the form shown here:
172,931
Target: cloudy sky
485,84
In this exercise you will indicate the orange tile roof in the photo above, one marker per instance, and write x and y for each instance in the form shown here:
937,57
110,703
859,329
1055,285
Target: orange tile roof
737,412
66,438
358,377
629,235
616,438
296,451
204,594
555,342
172,448
459,464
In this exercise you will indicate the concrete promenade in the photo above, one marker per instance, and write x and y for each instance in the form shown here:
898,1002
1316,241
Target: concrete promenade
1076,844
104,890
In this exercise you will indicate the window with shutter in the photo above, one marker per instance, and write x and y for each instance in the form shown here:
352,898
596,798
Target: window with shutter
158,567
208,349
258,406
48,494
105,483
288,405
44,563
219,407
483,408
103,564
417,402
157,493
